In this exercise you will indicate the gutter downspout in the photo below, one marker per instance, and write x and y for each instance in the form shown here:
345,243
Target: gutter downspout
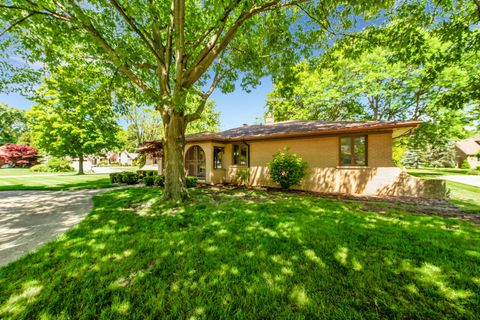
248,154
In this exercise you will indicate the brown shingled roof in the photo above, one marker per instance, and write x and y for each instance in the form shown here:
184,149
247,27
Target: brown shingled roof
470,146
298,128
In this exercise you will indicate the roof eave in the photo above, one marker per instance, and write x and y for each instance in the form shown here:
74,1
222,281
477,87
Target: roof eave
218,138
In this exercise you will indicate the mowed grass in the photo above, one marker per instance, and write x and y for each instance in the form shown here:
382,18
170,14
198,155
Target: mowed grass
63,181
247,255
20,172
465,196
425,172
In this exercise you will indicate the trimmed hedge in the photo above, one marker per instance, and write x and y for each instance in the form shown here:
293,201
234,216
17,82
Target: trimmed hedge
124,177
129,178
151,178
146,173
155,180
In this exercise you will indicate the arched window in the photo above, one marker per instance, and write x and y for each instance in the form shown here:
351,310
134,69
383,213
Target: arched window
195,162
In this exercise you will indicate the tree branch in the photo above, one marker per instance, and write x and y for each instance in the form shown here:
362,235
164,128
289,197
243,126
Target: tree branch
179,38
326,28
201,64
477,3
133,24
216,79
87,24
220,22
16,23
53,14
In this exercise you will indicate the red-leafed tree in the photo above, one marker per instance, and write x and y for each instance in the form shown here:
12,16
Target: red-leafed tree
18,155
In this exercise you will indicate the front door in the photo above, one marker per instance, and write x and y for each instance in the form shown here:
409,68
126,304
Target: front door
195,162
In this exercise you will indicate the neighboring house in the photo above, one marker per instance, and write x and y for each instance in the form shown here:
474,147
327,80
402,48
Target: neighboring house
468,149
127,158
344,157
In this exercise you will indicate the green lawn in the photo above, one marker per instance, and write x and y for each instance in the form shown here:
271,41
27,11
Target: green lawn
425,172
247,255
20,172
62,181
463,195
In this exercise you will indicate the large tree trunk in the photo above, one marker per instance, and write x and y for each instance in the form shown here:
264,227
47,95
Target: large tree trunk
173,151
80,165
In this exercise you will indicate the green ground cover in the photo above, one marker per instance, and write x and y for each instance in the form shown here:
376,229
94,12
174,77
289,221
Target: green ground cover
21,172
425,172
247,255
63,181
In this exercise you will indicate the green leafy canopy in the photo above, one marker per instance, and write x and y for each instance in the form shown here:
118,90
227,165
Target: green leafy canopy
73,115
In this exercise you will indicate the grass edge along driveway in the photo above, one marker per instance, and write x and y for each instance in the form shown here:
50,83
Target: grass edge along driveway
56,182
247,254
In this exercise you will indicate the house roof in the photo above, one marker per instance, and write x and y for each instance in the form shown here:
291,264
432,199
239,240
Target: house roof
470,146
131,155
299,128
287,129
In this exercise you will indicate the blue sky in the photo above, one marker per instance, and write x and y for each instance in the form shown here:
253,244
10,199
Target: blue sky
235,108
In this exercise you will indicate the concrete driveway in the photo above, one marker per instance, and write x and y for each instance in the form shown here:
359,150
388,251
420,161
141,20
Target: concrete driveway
28,219
471,180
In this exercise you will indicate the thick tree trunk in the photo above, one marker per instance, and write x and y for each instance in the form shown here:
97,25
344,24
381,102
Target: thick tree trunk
173,151
80,165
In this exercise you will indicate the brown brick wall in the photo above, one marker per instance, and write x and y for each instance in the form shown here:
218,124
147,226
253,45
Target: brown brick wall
381,177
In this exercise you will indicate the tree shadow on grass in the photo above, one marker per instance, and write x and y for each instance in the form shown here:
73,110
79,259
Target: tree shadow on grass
247,254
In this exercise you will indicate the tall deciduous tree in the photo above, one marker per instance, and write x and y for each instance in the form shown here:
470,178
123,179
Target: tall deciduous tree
12,124
375,85
74,115
176,50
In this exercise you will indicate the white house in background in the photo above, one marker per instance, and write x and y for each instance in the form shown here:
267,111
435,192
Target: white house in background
126,158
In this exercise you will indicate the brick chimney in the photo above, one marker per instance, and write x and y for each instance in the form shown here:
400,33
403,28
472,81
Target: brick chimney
269,119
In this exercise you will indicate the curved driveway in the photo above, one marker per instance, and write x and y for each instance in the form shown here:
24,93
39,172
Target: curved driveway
466,179
28,219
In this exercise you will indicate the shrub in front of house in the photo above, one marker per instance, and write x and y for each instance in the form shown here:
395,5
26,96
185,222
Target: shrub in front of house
39,168
115,177
140,160
465,165
129,177
154,180
124,177
243,176
53,165
146,173
59,165
191,181
149,181
287,169
474,172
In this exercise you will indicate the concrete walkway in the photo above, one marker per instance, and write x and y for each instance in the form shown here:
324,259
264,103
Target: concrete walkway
28,219
466,179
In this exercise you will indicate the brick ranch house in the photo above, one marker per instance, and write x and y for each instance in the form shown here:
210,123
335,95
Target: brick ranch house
468,149
344,157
